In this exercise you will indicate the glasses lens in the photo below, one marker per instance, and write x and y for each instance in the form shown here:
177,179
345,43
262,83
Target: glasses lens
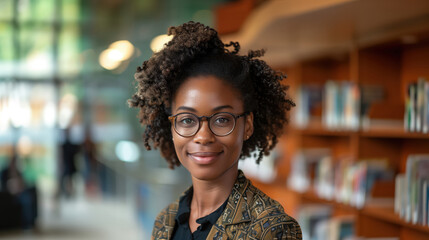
222,123
186,124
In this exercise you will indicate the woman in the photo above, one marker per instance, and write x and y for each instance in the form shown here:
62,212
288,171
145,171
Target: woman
206,107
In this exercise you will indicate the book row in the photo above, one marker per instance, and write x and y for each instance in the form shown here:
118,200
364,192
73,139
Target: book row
345,181
319,223
416,117
412,191
339,102
345,104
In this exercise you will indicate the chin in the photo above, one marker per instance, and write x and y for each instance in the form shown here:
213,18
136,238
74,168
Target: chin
210,173
206,174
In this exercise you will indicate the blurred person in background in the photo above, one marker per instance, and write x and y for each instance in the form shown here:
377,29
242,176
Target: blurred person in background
206,107
91,174
67,165
18,199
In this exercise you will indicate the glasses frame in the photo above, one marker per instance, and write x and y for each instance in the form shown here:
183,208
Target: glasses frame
172,119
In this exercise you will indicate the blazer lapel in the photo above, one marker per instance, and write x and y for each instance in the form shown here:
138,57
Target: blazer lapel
235,213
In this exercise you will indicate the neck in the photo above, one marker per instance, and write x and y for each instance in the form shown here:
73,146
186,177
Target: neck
210,195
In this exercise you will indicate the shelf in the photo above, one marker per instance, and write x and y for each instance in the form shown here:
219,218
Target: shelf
392,133
312,197
387,214
316,128
380,211
326,132
373,132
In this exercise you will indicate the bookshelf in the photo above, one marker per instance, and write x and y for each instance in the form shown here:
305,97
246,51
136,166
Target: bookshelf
385,70
382,51
388,67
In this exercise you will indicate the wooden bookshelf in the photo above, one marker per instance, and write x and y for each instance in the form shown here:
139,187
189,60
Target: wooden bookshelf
370,218
387,59
390,66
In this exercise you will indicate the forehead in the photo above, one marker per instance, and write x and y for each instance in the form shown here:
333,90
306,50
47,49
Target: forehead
205,93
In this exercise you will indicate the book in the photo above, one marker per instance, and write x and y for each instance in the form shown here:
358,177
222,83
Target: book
412,92
341,227
352,105
400,194
341,105
324,181
330,102
310,216
334,228
426,109
354,181
309,98
417,168
420,104
304,164
422,201
426,203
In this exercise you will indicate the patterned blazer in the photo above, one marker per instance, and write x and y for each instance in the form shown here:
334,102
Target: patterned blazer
249,214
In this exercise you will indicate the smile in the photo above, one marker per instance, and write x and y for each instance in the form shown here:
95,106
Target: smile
204,157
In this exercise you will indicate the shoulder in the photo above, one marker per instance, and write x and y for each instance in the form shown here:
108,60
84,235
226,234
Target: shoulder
269,220
168,213
165,221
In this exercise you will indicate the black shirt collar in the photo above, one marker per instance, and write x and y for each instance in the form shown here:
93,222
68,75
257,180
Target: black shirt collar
184,211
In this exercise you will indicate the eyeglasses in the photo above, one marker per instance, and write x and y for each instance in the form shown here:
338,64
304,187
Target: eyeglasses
221,123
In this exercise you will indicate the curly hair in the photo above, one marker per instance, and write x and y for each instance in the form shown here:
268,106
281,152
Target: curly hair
196,50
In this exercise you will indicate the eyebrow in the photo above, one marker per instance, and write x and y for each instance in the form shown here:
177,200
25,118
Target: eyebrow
193,110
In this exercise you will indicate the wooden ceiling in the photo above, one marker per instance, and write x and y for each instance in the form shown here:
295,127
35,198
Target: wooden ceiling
293,30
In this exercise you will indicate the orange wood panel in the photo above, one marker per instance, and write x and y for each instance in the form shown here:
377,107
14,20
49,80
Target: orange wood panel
410,234
368,226
414,65
381,148
382,68
340,146
319,71
229,17
287,146
387,214
340,70
413,146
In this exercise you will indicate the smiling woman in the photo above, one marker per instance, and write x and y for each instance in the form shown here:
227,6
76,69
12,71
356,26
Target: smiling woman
206,107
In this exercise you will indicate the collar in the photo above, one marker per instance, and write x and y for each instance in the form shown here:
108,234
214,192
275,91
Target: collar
236,210
184,207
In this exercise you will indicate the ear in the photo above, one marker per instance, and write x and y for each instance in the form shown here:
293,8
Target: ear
248,127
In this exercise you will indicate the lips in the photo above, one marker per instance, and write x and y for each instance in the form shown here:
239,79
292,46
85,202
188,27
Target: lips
204,157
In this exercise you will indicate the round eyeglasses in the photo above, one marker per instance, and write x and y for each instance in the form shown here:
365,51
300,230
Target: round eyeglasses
188,124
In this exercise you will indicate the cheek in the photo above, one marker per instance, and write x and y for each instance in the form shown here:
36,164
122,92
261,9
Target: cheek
179,144
235,142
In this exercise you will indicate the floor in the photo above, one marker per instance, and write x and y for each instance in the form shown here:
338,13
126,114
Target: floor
83,218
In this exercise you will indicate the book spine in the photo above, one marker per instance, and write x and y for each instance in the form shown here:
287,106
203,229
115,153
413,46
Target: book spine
413,100
407,214
399,182
420,104
407,113
426,109
425,194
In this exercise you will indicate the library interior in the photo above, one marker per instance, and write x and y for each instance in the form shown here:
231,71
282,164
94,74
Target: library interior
352,164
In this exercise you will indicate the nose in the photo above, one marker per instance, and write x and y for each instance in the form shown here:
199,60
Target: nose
204,135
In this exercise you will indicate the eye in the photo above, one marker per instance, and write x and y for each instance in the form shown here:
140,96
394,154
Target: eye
223,120
186,120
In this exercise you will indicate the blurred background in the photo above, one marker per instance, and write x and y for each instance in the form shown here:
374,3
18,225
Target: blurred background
72,161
